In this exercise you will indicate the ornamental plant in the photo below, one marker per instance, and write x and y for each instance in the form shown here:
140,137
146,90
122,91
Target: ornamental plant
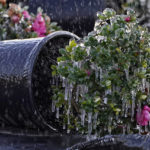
17,23
105,78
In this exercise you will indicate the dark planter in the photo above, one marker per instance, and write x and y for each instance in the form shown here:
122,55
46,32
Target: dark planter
25,80
116,142
77,16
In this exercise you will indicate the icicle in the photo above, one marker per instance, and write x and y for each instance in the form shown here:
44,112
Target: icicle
68,114
53,105
57,112
89,125
79,64
139,128
96,72
127,74
143,84
70,92
147,87
77,93
77,129
146,129
63,82
124,130
123,106
88,50
66,90
128,128
56,80
82,117
95,120
133,104
90,119
105,100
53,81
108,92
109,130
68,131
64,126
109,125
101,73
126,111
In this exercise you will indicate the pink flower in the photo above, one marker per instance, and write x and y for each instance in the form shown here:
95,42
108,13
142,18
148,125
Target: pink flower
128,19
15,19
39,25
26,14
88,72
144,116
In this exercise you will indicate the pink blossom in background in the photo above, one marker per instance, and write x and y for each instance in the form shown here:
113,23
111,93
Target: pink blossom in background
127,19
39,25
143,117
26,14
88,72
15,18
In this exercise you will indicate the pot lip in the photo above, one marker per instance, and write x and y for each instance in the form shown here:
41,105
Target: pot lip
30,63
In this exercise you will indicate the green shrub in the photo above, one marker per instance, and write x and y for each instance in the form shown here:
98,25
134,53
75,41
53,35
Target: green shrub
105,77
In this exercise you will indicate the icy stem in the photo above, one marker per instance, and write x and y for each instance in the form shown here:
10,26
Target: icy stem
126,111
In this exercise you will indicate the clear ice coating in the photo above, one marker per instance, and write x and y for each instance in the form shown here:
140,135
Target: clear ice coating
83,113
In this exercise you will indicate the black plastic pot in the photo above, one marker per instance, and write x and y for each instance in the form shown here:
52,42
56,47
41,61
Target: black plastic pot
116,142
25,80
77,16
